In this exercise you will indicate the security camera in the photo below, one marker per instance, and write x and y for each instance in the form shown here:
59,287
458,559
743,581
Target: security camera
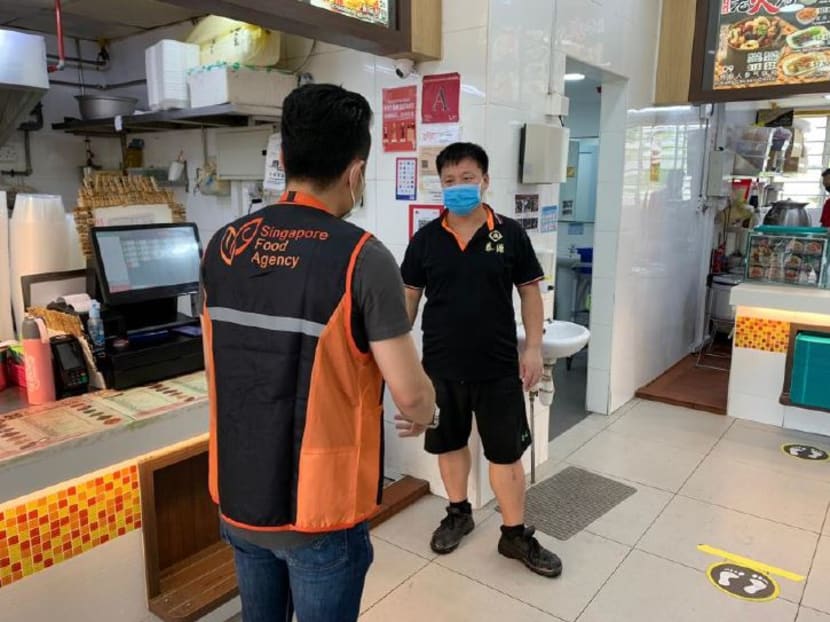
404,67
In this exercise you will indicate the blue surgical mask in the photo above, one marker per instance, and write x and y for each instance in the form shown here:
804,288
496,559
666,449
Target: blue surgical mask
462,199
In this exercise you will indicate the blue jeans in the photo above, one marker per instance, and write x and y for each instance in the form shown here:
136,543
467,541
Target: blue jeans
322,581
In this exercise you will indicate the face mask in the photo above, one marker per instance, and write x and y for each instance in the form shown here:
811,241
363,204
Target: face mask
462,199
357,197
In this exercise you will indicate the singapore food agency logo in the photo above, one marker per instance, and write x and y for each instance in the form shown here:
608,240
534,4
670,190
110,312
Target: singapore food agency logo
234,242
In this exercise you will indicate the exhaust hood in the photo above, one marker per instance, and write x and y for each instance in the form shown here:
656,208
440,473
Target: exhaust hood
23,78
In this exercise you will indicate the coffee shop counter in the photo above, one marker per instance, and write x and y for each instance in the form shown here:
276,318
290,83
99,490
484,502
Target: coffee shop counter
70,504
768,318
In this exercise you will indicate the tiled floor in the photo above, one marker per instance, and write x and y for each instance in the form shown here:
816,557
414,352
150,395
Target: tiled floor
701,479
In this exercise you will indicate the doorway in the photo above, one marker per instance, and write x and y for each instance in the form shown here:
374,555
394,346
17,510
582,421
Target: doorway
575,240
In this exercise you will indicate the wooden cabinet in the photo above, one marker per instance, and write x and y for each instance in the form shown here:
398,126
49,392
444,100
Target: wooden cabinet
414,30
674,60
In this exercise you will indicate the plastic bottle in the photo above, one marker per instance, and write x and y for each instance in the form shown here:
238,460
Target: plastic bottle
95,327
37,354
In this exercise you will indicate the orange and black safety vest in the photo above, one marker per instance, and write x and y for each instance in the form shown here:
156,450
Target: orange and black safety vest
296,439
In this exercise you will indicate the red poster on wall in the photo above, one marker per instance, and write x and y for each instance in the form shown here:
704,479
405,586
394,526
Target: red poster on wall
399,114
441,99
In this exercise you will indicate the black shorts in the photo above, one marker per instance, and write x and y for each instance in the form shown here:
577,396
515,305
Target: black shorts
499,408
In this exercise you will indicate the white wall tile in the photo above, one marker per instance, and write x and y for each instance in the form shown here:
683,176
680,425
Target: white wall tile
658,260
464,14
598,391
804,420
611,147
754,408
474,124
465,52
392,220
605,254
757,373
602,299
599,350
504,127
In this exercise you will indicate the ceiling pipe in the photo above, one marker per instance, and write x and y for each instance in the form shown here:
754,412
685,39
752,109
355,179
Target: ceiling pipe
61,54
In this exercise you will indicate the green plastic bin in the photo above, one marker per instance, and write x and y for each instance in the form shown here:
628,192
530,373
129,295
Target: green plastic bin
811,371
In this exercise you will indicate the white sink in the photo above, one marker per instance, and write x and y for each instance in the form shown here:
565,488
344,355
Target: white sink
560,339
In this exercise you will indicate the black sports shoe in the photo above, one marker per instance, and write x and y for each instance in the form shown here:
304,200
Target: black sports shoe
526,549
455,525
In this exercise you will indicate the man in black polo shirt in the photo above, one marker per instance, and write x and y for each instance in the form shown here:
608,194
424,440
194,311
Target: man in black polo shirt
467,263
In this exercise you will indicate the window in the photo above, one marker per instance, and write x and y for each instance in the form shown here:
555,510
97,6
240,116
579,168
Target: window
806,187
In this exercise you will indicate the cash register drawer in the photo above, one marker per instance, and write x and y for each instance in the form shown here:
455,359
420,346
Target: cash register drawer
146,364
810,371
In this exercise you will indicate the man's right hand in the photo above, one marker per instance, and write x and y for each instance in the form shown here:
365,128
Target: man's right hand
409,385
407,428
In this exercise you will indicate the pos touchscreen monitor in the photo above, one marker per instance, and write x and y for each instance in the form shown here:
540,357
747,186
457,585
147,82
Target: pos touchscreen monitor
141,263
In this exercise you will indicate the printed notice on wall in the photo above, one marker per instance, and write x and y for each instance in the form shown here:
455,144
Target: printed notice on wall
399,114
441,99
422,215
527,203
529,224
274,173
406,179
549,219
433,139
763,43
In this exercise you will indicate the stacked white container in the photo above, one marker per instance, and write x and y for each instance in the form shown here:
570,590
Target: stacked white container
167,63
39,241
212,85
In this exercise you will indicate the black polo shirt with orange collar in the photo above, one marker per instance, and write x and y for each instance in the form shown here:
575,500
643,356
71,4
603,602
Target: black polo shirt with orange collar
469,321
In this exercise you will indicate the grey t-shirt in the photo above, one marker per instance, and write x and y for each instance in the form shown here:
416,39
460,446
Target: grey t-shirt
379,295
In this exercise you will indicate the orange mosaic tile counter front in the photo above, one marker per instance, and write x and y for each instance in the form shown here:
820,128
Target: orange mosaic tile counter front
45,527
762,334
46,530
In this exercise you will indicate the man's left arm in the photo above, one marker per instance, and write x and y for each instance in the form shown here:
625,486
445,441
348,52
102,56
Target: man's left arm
531,363
527,275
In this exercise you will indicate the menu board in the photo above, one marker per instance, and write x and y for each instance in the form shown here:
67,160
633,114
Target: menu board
767,43
371,11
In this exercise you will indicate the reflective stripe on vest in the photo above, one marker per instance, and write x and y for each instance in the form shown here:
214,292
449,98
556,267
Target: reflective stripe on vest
266,322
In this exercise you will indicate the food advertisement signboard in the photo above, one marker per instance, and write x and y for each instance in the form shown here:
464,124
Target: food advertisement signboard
371,11
757,48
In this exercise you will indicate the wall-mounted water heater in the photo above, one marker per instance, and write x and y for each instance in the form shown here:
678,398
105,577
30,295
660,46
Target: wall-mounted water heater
543,154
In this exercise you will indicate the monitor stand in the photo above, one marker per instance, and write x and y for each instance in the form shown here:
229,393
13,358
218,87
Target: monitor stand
147,317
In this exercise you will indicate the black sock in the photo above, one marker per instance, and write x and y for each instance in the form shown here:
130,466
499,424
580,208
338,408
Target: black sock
462,506
513,532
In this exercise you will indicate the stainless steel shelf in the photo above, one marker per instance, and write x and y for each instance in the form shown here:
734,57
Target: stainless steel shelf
224,115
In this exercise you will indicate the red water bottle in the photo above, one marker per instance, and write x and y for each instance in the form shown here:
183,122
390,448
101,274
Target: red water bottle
37,355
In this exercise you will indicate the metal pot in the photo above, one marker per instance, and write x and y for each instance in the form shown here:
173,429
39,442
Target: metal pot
788,213
105,106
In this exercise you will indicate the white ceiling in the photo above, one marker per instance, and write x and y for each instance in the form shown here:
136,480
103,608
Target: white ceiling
92,19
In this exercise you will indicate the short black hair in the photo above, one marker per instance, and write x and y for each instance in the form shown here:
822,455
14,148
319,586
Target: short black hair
826,172
324,128
454,153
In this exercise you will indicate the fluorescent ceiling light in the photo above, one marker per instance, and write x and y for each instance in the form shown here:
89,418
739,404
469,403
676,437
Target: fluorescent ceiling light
574,77
662,109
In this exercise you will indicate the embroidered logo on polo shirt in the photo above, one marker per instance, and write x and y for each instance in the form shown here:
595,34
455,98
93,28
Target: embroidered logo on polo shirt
496,236
494,248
